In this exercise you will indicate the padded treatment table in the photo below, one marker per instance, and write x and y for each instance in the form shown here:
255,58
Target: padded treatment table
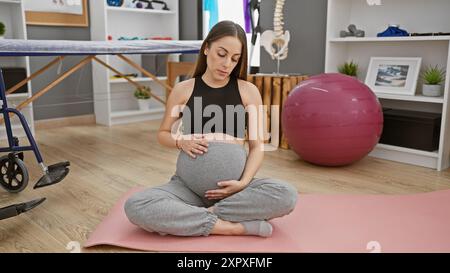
91,49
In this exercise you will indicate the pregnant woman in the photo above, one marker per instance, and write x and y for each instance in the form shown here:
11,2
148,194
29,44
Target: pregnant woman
213,190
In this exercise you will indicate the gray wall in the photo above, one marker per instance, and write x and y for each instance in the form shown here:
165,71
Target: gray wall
306,21
73,96
190,24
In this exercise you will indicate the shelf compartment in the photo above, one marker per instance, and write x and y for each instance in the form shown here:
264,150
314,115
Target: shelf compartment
418,98
138,79
9,2
17,96
375,19
406,155
436,53
136,10
17,129
122,117
389,39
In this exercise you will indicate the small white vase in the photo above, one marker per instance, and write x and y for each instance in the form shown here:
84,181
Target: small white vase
432,90
144,105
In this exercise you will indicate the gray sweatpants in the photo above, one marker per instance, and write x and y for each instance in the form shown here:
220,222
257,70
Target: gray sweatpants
180,208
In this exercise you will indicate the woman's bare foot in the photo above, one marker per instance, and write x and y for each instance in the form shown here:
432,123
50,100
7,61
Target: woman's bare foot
228,228
257,228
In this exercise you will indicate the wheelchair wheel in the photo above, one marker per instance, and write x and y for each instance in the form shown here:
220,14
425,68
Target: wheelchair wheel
13,174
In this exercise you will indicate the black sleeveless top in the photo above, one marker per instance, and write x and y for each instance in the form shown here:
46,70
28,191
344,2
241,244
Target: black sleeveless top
215,110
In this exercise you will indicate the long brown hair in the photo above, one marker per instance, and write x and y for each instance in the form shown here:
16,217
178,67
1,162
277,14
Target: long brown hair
220,30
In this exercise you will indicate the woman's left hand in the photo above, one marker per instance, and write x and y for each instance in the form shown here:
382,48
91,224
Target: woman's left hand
228,188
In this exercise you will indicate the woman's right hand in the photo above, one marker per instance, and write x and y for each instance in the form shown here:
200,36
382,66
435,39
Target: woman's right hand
195,145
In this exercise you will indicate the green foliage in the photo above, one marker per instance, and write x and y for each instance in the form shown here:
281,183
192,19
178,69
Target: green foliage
2,29
433,75
349,68
143,93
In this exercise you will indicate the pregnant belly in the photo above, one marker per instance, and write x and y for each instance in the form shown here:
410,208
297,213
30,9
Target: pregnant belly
222,162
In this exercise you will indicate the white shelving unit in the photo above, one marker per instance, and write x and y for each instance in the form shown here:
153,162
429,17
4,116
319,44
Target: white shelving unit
13,16
114,98
414,16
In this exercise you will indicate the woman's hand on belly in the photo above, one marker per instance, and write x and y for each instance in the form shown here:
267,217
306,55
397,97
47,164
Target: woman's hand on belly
227,188
193,145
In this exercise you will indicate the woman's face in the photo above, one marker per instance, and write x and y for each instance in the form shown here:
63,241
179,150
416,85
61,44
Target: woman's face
222,56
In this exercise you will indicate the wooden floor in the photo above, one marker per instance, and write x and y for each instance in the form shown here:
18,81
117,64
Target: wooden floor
107,162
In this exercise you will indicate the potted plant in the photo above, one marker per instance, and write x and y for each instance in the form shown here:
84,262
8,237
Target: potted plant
432,79
143,97
349,68
2,30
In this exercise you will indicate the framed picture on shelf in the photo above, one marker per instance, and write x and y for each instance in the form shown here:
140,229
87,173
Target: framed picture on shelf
393,75
73,13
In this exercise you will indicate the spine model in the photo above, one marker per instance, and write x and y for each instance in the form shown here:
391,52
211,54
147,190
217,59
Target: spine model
276,42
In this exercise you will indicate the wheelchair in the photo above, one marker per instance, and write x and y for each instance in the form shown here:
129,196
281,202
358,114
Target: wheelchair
13,172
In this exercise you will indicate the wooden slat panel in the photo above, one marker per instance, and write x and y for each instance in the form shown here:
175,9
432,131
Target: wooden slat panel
275,113
287,86
267,101
293,81
259,83
251,78
275,91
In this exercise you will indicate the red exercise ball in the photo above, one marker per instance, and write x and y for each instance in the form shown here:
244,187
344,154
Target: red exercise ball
332,120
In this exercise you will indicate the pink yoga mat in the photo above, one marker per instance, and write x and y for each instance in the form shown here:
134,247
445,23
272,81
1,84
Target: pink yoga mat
320,223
